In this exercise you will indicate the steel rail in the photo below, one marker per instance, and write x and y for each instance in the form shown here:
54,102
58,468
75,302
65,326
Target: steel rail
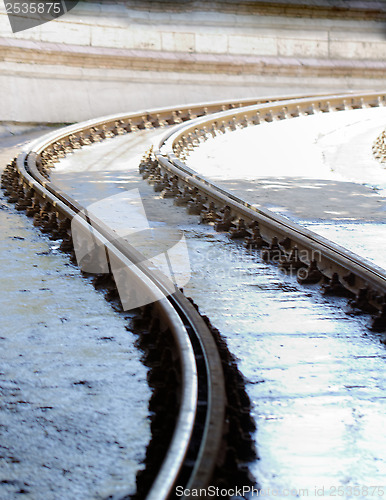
147,119
355,273
190,332
192,338
201,343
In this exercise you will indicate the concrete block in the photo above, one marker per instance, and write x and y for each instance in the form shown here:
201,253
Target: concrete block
178,42
5,27
264,46
167,41
365,32
64,32
184,42
146,38
217,44
30,34
120,38
302,48
357,50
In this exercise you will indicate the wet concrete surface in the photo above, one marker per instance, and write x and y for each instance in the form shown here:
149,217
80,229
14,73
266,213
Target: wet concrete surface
74,396
315,372
316,170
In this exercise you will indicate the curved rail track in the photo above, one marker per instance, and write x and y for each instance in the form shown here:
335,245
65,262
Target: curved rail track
288,244
197,437
194,351
197,442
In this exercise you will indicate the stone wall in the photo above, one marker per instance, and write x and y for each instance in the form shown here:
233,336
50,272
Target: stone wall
102,58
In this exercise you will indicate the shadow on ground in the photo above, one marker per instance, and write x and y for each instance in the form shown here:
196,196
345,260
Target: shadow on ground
312,198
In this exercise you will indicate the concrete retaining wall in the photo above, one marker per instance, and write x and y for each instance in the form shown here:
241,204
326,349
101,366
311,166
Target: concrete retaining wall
110,58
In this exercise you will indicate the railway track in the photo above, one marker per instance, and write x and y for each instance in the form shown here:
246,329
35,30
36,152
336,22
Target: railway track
204,386
202,399
283,242
191,354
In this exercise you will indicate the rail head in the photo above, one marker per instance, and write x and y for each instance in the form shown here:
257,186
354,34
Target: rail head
188,407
